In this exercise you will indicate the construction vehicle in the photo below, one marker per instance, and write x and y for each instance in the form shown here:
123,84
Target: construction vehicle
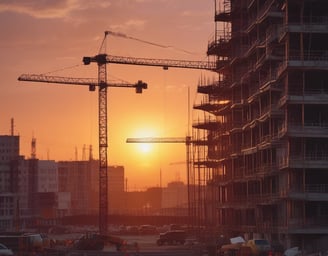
253,247
237,249
96,241
172,237
259,247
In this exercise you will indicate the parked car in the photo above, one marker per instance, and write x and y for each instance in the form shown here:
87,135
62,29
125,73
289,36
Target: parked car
172,237
132,230
175,227
259,246
4,251
47,241
147,230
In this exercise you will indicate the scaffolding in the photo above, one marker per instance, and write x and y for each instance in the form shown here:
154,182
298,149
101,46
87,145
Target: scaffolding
262,172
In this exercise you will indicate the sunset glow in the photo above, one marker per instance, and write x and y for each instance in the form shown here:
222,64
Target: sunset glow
64,118
145,147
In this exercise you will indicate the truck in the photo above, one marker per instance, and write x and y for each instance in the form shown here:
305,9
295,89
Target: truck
96,241
172,237
22,241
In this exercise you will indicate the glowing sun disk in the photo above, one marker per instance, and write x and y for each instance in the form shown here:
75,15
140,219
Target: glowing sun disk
145,147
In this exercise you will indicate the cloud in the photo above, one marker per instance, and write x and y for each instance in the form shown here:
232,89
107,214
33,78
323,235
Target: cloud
133,23
48,9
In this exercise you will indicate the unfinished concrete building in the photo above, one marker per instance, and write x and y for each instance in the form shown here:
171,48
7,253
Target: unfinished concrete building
265,122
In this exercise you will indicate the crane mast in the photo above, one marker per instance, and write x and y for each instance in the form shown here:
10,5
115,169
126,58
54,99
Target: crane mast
103,145
102,112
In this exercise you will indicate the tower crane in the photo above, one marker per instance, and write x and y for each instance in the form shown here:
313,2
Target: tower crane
165,63
102,111
102,59
187,141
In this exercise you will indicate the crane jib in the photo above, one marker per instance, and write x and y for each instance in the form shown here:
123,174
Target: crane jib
91,82
165,63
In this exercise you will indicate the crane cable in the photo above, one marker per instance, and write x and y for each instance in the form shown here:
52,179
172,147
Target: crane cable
61,69
118,34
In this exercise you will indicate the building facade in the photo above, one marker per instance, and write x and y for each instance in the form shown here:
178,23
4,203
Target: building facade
116,192
175,199
265,123
175,195
9,165
79,178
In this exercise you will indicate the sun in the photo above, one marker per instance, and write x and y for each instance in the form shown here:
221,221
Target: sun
145,148
140,139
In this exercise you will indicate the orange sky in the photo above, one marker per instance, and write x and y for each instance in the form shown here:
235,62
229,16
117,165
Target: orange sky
53,36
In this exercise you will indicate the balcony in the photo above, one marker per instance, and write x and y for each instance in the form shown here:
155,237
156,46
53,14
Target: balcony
308,25
311,192
207,124
212,107
313,130
212,89
316,60
266,10
312,59
310,96
205,162
314,224
224,16
317,160
219,45
224,11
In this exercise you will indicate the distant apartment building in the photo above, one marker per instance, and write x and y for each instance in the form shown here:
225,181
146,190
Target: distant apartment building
9,157
81,180
47,190
169,201
47,176
9,162
38,190
116,185
28,188
265,156
175,198
146,202
35,192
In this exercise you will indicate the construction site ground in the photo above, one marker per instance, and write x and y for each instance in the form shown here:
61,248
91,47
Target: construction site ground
146,246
